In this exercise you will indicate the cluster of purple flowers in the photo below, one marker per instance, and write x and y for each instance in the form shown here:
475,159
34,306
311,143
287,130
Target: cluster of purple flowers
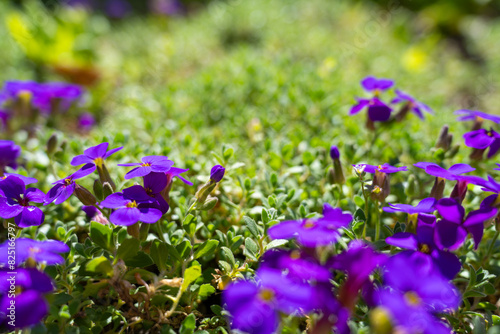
23,289
26,100
378,110
480,139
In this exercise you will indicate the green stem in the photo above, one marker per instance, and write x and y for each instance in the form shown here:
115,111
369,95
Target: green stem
367,215
378,223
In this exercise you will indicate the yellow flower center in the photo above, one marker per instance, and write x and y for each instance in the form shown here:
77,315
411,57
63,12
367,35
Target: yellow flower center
295,255
424,248
266,295
99,161
309,223
146,164
68,181
412,298
132,204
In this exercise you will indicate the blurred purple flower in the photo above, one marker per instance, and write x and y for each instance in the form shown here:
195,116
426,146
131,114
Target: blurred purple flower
30,304
482,139
86,121
255,306
313,232
426,205
16,202
9,152
424,243
372,84
473,115
46,251
412,104
378,111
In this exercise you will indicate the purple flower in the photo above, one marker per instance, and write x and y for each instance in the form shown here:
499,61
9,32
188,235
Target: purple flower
46,251
334,153
426,205
313,232
63,189
474,115
385,168
117,8
154,183
482,139
4,118
298,264
424,243
44,96
30,304
217,173
95,155
16,202
372,84
27,180
453,173
254,306
412,104
451,231
86,121
152,163
176,172
94,214
358,261
9,152
129,207
378,111
414,291
168,7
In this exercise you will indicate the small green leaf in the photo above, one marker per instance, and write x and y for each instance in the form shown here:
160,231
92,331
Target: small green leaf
128,249
188,325
140,260
359,201
101,235
159,254
252,226
100,265
276,243
206,248
190,275
206,290
228,255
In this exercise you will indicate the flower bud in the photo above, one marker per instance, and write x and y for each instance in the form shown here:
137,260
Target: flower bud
438,188
444,139
334,153
134,230
106,189
51,144
217,173
85,196
98,189
104,175
143,231
209,204
459,191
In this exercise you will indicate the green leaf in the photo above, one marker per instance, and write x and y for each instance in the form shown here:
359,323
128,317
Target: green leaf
228,255
206,248
206,290
265,216
184,249
189,218
251,249
172,251
128,249
100,265
359,201
190,275
159,254
276,243
188,325
252,226
102,235
140,260
226,267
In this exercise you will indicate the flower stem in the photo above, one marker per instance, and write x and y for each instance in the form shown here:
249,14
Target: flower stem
492,244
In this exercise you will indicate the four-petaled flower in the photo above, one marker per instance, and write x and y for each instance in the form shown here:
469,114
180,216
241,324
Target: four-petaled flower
9,152
16,202
152,163
474,115
46,251
411,104
254,306
64,188
372,84
385,168
95,155
313,232
129,207
423,242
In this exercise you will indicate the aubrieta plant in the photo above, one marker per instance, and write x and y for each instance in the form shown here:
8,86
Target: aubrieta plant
121,243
